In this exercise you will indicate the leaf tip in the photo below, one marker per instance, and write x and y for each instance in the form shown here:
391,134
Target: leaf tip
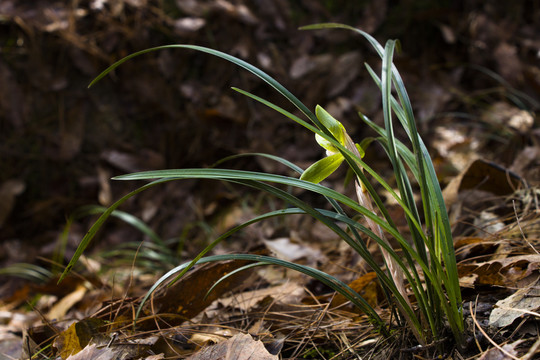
64,274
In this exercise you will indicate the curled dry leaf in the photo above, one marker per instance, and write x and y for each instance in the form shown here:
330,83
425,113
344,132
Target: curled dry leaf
60,309
486,176
509,272
201,340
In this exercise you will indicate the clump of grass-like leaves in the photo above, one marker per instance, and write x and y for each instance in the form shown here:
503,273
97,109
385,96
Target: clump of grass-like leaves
425,269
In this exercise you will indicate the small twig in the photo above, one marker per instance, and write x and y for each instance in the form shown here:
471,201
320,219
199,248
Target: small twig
520,229
519,310
487,336
474,327
309,334
532,351
114,335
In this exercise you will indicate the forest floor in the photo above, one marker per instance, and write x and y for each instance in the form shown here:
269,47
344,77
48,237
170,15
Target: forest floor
473,75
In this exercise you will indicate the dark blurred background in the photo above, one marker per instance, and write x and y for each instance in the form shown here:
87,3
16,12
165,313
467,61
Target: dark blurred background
470,67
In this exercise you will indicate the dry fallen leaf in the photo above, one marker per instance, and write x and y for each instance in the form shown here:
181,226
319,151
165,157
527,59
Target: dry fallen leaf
10,345
486,176
95,353
511,118
522,302
496,354
188,25
287,293
307,64
239,347
186,297
286,249
206,339
60,309
468,247
76,337
366,286
155,357
144,159
508,272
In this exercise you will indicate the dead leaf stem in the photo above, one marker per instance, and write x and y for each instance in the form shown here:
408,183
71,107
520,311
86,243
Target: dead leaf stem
393,267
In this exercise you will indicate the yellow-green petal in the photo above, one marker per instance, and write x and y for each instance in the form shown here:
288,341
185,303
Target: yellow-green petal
334,126
325,144
360,150
320,170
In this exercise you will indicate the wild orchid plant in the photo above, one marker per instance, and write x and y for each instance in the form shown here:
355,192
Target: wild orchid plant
425,270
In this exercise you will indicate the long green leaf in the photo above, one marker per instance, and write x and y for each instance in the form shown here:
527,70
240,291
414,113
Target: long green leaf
438,239
437,221
239,175
434,207
254,70
268,156
228,174
325,278
30,272
125,217
292,166
99,222
351,159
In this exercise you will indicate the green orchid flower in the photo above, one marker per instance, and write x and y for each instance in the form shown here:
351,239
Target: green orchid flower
323,168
